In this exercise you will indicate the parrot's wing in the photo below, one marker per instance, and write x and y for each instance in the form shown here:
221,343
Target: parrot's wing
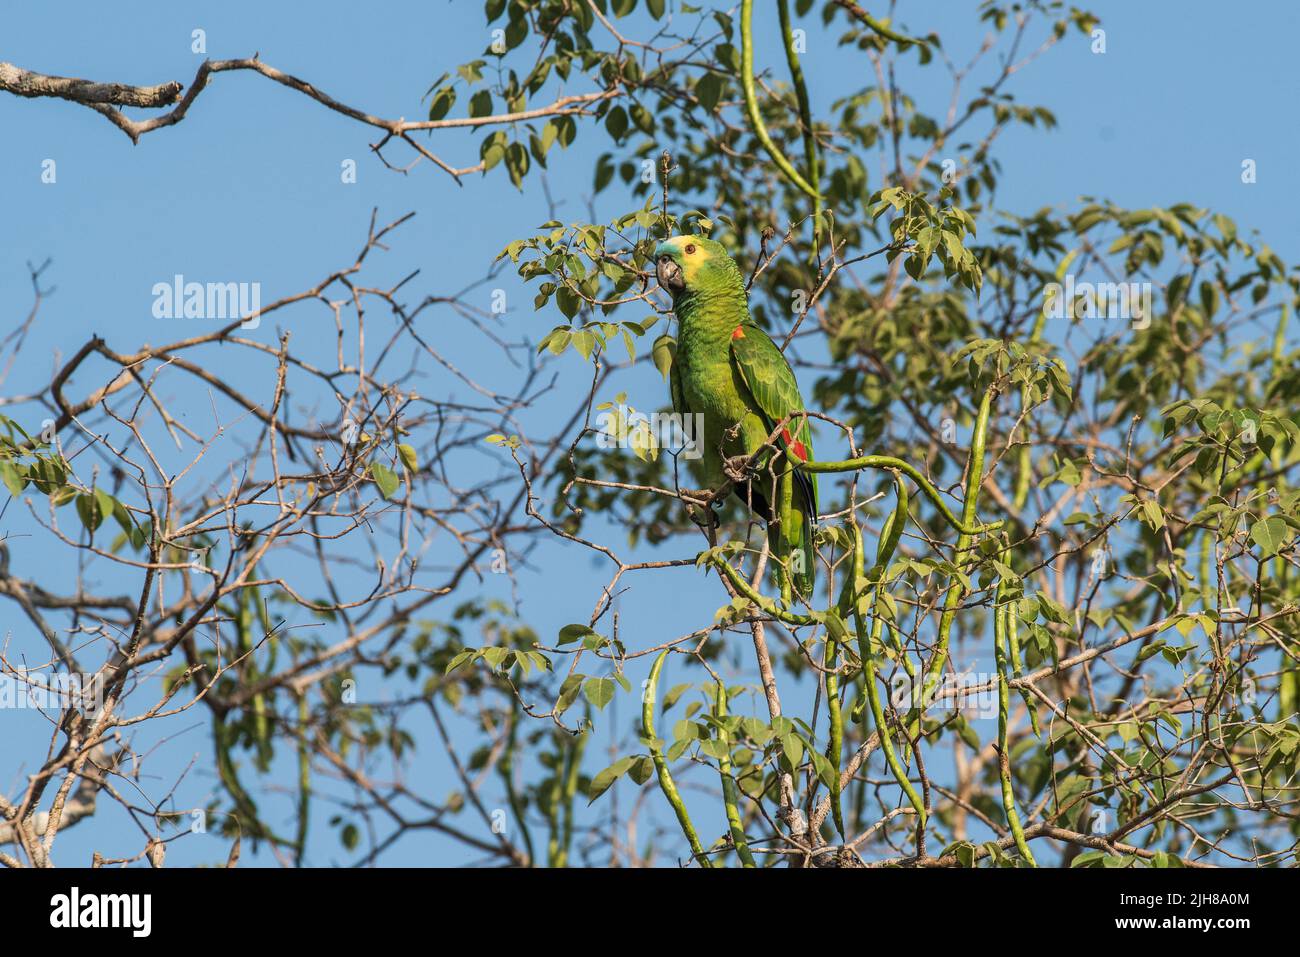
675,389
775,391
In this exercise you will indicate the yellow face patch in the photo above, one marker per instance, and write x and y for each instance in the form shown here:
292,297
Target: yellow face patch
690,254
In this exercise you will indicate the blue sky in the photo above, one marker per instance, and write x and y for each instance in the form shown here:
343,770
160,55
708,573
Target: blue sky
248,186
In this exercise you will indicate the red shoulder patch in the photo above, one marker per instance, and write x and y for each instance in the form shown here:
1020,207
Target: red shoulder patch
738,333
799,450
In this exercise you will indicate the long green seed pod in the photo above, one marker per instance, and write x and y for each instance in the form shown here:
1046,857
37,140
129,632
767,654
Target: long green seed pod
751,102
304,781
246,600
856,574
1024,466
784,499
890,536
967,527
765,604
878,27
956,592
1278,353
569,795
1013,642
892,532
661,766
730,797
1018,667
835,744
836,632
554,855
1209,589
865,646
805,111
505,767
1001,611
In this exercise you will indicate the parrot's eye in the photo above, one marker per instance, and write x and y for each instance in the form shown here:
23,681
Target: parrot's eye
690,249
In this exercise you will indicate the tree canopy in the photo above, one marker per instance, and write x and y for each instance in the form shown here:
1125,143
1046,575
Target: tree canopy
1056,622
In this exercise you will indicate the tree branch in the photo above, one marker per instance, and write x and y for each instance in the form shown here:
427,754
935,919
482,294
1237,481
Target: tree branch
20,82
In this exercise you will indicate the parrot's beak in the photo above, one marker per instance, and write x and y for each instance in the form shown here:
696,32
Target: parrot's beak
670,275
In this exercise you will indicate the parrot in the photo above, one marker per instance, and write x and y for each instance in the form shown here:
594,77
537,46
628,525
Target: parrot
726,368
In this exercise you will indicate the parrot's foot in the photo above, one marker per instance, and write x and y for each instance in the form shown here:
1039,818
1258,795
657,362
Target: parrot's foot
736,468
704,517
700,514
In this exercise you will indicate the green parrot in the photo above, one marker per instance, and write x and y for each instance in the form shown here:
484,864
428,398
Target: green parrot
730,371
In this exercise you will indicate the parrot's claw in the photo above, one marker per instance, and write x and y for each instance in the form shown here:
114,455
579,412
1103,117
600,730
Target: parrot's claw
703,516
695,497
736,468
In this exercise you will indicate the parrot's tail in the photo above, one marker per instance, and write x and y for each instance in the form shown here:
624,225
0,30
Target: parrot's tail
806,564
796,558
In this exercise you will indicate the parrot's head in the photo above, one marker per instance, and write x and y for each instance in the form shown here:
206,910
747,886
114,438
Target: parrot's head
693,264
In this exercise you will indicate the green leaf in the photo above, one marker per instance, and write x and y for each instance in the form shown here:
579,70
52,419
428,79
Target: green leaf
469,654
1152,649
12,480
442,103
602,781
385,478
91,510
584,341
616,122
1270,534
568,302
835,627
709,90
715,748
663,352
599,691
410,460
674,694
1153,514
572,633
641,769
134,533
825,770
62,496
569,691
480,104
792,747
